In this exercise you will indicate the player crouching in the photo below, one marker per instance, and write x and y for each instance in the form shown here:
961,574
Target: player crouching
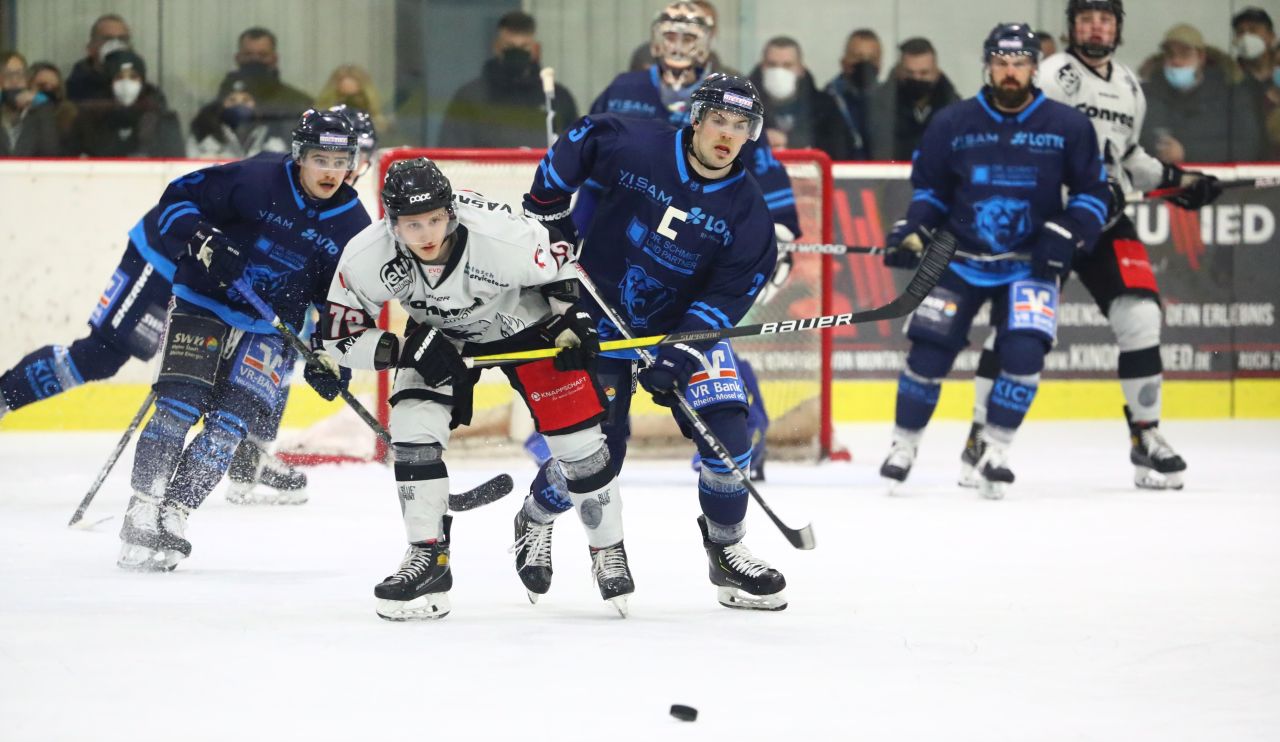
467,269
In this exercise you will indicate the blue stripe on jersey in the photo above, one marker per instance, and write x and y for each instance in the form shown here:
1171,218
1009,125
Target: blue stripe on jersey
699,314
593,184
726,183
165,214
176,215
222,311
653,78
719,314
138,235
777,205
288,174
1040,98
1089,203
338,209
925,194
680,168
982,100
985,277
777,194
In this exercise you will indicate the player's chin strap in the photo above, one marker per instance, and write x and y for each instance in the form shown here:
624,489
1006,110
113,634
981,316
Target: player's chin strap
801,538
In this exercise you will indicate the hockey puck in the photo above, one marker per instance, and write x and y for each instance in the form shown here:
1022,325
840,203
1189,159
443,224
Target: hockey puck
684,713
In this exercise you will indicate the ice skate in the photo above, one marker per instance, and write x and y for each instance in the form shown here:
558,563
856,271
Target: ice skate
419,590
743,580
260,478
897,465
1156,465
969,457
533,555
152,535
994,475
613,575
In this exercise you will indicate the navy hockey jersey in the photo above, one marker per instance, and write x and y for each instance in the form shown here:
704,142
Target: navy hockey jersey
642,95
993,179
669,249
259,203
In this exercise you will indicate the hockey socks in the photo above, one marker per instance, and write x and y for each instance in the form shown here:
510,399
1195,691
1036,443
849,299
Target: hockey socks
1011,397
160,445
422,481
207,458
1142,377
550,490
917,398
44,373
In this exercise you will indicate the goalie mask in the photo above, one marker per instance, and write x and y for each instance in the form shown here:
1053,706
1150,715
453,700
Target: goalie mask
682,36
735,95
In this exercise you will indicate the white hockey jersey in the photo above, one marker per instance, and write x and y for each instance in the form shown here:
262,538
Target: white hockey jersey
487,290
1117,107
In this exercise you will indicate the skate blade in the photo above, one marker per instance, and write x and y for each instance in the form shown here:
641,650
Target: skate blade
1150,479
732,597
968,477
533,597
252,497
427,607
892,487
620,605
89,525
137,558
992,490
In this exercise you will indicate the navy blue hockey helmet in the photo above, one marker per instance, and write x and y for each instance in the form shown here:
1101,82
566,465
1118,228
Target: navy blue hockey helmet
1011,39
728,93
326,130
1076,7
366,136
415,187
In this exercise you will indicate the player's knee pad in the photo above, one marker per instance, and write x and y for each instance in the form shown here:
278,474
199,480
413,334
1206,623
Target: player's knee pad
593,488
94,358
1135,320
422,481
420,422
930,360
1021,353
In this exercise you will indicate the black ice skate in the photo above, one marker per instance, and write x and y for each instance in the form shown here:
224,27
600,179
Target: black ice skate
420,589
533,555
897,465
1156,465
281,484
744,580
994,474
613,575
153,534
969,457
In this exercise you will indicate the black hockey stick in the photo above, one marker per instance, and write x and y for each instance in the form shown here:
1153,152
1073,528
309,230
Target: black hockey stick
826,248
111,463
490,491
933,263
801,538
1226,185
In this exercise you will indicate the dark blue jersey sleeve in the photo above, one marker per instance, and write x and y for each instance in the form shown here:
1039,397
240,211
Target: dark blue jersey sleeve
573,159
1088,195
211,196
774,182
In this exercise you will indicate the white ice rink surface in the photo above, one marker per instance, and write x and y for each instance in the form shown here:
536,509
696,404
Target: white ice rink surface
1076,609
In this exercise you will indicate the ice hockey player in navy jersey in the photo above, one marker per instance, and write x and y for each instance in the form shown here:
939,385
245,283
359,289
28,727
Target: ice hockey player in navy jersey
991,170
681,239
279,222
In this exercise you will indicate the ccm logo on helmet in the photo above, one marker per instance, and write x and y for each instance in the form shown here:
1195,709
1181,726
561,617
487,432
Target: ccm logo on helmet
419,197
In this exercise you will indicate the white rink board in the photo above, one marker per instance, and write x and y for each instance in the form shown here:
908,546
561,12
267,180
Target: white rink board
1076,609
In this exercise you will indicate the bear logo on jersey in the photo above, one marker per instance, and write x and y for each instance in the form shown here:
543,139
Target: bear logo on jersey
1069,79
1002,222
643,295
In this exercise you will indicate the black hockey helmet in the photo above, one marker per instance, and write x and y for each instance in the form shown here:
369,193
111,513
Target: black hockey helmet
1095,51
1011,39
327,130
366,135
415,187
728,93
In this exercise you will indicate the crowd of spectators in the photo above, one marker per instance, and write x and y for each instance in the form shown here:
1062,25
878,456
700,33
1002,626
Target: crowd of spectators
1204,104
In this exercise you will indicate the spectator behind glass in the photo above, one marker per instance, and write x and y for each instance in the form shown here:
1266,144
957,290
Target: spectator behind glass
27,125
229,128
505,106
852,88
907,101
352,86
796,114
1254,44
1195,112
136,124
642,58
278,105
89,80
44,77
1048,44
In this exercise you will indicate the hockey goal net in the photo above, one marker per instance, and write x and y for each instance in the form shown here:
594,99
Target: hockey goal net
794,370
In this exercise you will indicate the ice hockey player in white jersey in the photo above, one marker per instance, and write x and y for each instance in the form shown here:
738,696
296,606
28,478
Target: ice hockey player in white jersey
1117,273
469,271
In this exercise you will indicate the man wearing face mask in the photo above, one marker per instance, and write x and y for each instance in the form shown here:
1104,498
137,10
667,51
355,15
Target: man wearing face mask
136,124
28,125
797,114
1255,51
1195,112
258,65
859,71
505,105
902,107
229,128
89,80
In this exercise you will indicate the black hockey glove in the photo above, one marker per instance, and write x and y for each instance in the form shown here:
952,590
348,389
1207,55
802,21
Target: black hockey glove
575,333
667,378
429,352
221,257
905,244
1053,252
1201,191
555,216
324,381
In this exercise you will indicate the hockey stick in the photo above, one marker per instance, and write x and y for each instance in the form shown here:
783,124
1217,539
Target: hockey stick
490,491
933,263
548,75
801,538
110,464
806,248
1226,185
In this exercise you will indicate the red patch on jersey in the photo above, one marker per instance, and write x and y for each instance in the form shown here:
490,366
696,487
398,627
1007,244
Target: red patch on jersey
1134,265
558,399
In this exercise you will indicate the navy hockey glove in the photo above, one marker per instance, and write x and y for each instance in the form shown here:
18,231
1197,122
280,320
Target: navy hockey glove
575,332
429,352
555,216
1051,257
905,244
221,257
667,378
324,381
